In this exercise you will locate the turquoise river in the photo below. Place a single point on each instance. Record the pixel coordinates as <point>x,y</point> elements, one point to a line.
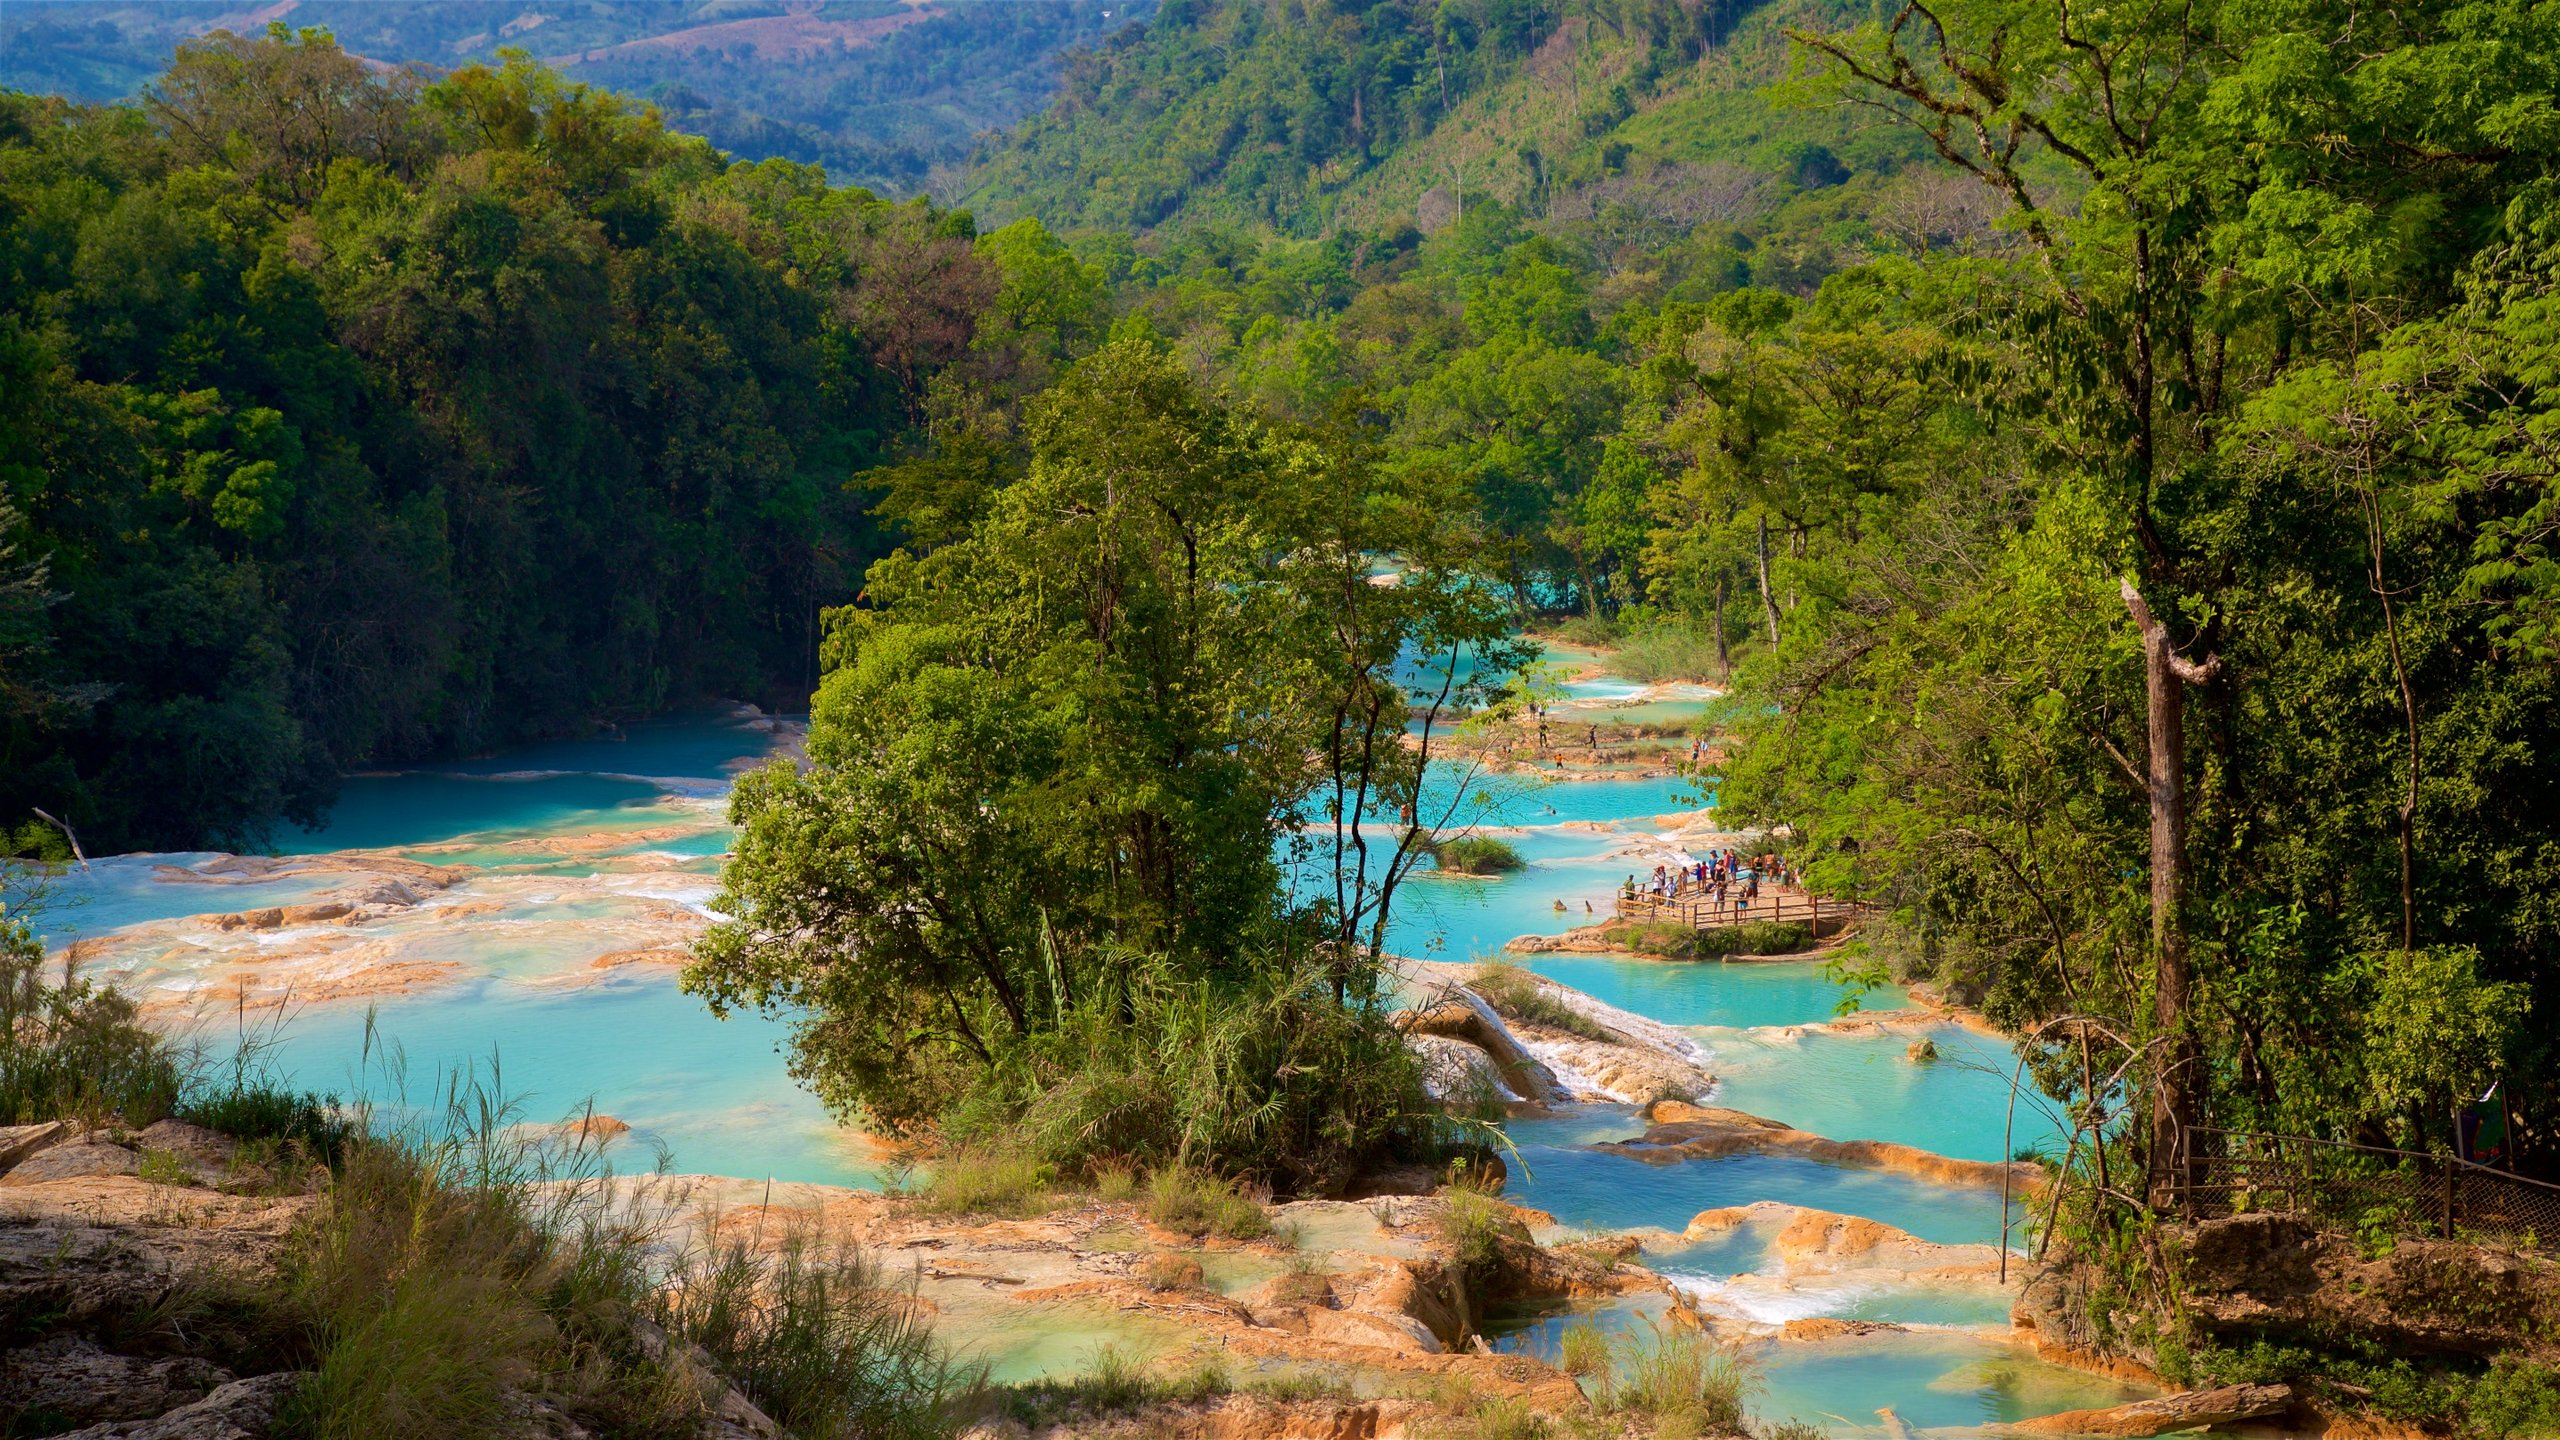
<point>531,911</point>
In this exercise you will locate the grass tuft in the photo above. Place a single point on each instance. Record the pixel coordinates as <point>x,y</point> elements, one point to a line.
<point>1474,1226</point>
<point>76,1051</point>
<point>1515,994</point>
<point>1679,1382</point>
<point>1197,1203</point>
<point>989,1180</point>
<point>1165,1270</point>
<point>1680,942</point>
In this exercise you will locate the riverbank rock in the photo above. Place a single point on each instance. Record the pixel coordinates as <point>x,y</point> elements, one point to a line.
<point>71,1379</point>
<point>1628,1074</point>
<point>241,1410</point>
<point>1711,1134</point>
<point>79,1159</point>
<point>2277,1277</point>
<point>1804,1241</point>
<point>1640,1060</point>
<point>1824,1328</point>
<point>17,1142</point>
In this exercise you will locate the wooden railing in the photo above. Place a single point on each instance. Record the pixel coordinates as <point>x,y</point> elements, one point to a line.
<point>1698,909</point>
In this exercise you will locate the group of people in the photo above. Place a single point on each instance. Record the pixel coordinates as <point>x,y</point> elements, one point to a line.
<point>1726,877</point>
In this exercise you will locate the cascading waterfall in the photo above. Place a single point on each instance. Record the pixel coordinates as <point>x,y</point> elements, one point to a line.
<point>528,912</point>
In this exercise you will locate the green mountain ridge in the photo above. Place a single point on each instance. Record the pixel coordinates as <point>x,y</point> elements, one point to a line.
<point>1300,120</point>
<point>884,93</point>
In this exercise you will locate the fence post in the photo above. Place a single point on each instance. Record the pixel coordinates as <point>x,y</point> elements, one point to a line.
<point>2449,1163</point>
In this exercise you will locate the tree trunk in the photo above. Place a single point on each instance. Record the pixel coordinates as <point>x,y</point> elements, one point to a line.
<point>2173,1110</point>
<point>1724,657</point>
<point>1768,598</point>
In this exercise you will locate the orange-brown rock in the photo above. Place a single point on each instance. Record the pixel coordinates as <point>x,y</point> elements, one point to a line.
<point>1714,1134</point>
<point>1823,1328</point>
<point>17,1142</point>
<point>667,955</point>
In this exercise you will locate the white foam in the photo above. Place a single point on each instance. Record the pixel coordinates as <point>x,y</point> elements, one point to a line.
<point>1761,1298</point>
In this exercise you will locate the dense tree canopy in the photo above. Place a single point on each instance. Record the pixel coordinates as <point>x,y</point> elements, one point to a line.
<point>2240,312</point>
<point>1076,740</point>
<point>347,418</point>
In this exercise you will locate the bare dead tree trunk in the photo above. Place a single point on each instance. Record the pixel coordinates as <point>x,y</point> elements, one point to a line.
<point>2166,675</point>
<point>1724,657</point>
<point>1768,597</point>
<point>2409,720</point>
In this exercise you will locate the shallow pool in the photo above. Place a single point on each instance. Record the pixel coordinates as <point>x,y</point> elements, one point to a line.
<point>1556,1169</point>
<point>1866,1087</point>
<point>579,849</point>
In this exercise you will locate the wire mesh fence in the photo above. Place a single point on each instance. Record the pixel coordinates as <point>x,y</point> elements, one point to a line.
<point>2364,1188</point>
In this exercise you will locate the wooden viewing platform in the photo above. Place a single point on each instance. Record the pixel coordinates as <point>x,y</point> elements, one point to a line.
<point>1698,910</point>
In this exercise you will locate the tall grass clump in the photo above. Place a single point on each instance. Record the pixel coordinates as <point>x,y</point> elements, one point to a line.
<point>1197,1203</point>
<point>811,1333</point>
<point>1476,855</point>
<point>1666,652</point>
<point>1515,994</point>
<point>1595,631</point>
<point>466,1265</point>
<point>1263,1078</point>
<point>1475,1227</point>
<point>991,1179</point>
<point>73,1050</point>
<point>1681,1383</point>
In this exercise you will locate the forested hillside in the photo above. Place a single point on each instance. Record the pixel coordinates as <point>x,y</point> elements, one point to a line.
<point>1881,388</point>
<point>883,93</point>
<point>1401,113</point>
<point>345,419</point>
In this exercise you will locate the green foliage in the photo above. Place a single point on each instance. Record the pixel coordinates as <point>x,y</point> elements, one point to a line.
<point>1474,1226</point>
<point>1299,1387</point>
<point>988,1180</point>
<point>1516,994</point>
<point>2510,1398</point>
<point>488,411</point>
<point>1196,1203</point>
<point>1684,942</point>
<point>1962,463</point>
<point>2434,1027</point>
<point>1664,652</point>
<point>1270,1081</point>
<point>460,1259</point>
<point>1030,884</point>
<point>1506,1418</point>
<point>1679,1381</point>
<point>1476,855</point>
<point>70,1050</point>
<point>260,1109</point>
<point>1582,1350</point>
<point>2516,1400</point>
<point>815,1335</point>
<point>1759,937</point>
<point>163,1167</point>
<point>880,95</point>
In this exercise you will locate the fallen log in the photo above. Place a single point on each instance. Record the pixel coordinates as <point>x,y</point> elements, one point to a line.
<point>2183,1411</point>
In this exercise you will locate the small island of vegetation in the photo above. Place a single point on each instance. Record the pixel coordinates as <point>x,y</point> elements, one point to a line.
<point>1476,855</point>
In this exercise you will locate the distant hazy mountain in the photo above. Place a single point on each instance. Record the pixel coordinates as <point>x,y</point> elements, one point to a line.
<point>882,92</point>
